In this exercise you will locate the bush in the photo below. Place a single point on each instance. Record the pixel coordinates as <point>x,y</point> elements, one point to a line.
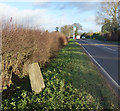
<point>118,35</point>
<point>22,46</point>
<point>98,36</point>
<point>113,36</point>
<point>89,35</point>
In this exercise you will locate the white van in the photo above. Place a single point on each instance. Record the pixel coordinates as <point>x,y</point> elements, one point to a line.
<point>78,37</point>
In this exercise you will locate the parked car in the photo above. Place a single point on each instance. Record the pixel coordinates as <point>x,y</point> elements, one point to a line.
<point>83,37</point>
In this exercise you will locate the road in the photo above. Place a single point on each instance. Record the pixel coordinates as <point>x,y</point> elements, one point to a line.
<point>105,55</point>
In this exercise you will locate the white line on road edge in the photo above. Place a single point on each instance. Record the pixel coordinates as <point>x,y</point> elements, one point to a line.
<point>110,49</point>
<point>113,81</point>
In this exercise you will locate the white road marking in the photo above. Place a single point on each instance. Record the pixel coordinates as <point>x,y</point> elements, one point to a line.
<point>99,45</point>
<point>110,49</point>
<point>113,81</point>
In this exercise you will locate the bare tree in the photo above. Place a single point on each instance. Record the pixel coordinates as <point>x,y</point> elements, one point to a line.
<point>108,11</point>
<point>119,14</point>
<point>66,30</point>
<point>78,26</point>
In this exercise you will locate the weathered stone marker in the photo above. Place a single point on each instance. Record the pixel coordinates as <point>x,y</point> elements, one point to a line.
<point>36,79</point>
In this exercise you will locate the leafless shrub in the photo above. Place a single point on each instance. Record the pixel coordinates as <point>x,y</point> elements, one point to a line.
<point>21,46</point>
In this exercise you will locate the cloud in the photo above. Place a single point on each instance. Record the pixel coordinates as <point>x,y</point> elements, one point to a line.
<point>55,0</point>
<point>32,17</point>
<point>84,6</point>
<point>45,17</point>
<point>91,28</point>
<point>80,6</point>
<point>90,19</point>
<point>52,5</point>
<point>42,4</point>
<point>24,16</point>
<point>90,24</point>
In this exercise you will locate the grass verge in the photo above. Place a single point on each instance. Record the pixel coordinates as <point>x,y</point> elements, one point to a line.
<point>72,82</point>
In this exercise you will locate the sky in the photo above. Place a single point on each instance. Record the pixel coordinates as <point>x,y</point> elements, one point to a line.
<point>49,15</point>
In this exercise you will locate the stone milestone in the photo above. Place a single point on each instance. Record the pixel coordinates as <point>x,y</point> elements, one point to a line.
<point>36,79</point>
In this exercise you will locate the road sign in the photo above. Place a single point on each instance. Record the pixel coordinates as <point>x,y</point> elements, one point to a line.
<point>74,28</point>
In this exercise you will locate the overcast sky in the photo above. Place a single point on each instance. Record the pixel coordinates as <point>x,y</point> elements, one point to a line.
<point>48,15</point>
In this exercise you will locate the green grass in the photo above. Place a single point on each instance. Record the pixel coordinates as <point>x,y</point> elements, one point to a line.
<point>72,82</point>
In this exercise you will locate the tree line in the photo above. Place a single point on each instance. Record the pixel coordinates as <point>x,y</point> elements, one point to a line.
<point>67,30</point>
<point>108,15</point>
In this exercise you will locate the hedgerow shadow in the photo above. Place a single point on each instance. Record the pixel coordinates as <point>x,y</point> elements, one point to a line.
<point>17,86</point>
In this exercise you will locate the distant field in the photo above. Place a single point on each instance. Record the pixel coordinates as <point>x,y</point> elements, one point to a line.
<point>72,82</point>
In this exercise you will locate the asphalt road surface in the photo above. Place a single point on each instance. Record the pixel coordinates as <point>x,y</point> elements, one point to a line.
<point>106,56</point>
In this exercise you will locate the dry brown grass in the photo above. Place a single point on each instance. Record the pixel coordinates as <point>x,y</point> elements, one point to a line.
<point>21,46</point>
